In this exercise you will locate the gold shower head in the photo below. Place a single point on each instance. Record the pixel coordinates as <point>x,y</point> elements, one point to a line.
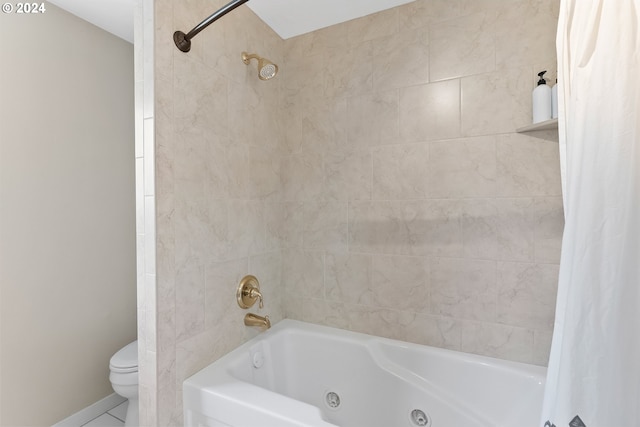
<point>266,69</point>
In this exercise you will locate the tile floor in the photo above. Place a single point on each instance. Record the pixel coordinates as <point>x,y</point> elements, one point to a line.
<point>112,418</point>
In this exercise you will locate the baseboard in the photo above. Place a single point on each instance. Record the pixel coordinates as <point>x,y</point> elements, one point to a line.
<point>92,411</point>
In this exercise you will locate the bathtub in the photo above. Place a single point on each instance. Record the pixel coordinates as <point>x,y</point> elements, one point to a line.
<point>304,375</point>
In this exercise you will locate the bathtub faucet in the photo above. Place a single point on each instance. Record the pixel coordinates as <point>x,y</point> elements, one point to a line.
<point>254,320</point>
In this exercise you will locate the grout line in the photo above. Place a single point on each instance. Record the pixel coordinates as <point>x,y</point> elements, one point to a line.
<point>115,416</point>
<point>92,411</point>
<point>106,413</point>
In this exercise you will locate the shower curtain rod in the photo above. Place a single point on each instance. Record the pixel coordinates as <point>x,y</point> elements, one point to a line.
<point>183,41</point>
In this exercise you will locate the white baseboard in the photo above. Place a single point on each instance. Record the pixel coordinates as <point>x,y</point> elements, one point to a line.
<point>92,411</point>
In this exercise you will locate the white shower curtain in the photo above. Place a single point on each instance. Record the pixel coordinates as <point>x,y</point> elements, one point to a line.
<point>594,367</point>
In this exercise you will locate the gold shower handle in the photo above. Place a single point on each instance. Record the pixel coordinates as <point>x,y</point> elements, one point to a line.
<point>248,292</point>
<point>253,294</point>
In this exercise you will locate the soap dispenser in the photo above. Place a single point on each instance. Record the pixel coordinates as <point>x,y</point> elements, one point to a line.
<point>541,100</point>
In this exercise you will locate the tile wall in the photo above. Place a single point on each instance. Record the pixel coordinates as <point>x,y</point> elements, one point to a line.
<point>415,210</point>
<point>377,184</point>
<point>217,150</point>
<point>145,209</point>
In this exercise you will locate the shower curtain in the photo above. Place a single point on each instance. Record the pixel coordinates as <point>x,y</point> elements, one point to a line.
<point>594,368</point>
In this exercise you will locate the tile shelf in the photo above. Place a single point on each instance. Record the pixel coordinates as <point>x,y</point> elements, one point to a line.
<point>546,125</point>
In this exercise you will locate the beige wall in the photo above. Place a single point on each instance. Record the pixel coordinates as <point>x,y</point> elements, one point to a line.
<point>422,215</point>
<point>377,184</point>
<point>213,199</point>
<point>67,246</point>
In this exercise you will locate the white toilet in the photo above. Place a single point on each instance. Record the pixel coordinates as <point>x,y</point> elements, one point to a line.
<point>124,379</point>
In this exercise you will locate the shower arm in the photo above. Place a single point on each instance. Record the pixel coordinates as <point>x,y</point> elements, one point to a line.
<point>183,41</point>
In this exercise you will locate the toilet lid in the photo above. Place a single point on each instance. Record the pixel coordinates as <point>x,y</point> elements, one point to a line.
<point>126,359</point>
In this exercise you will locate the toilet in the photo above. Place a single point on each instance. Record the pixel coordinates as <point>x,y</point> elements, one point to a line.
<point>124,379</point>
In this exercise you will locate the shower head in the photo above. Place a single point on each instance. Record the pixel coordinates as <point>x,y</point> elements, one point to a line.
<point>266,69</point>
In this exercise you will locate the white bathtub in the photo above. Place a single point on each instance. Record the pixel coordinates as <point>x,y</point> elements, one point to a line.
<point>295,373</point>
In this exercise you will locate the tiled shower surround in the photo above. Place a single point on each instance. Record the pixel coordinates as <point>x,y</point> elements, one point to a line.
<point>376,184</point>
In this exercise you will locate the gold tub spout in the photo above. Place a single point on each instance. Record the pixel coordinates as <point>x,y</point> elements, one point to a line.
<point>254,320</point>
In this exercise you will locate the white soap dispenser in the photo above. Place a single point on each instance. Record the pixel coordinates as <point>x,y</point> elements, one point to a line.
<point>554,101</point>
<point>541,100</point>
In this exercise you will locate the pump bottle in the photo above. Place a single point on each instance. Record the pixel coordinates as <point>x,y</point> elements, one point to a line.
<point>541,100</point>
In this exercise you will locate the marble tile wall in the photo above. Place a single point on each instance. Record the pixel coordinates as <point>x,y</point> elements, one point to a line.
<point>216,155</point>
<point>414,209</point>
<point>377,184</point>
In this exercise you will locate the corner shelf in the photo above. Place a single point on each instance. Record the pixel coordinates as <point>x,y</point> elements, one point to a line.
<point>546,125</point>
